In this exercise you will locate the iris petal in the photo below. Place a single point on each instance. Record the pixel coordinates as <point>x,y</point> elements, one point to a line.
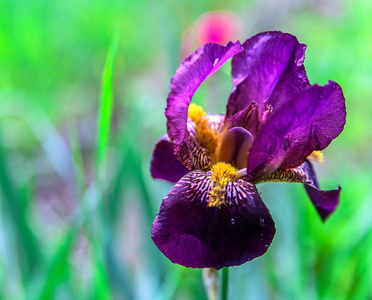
<point>325,202</point>
<point>309,122</point>
<point>191,73</point>
<point>191,233</point>
<point>164,165</point>
<point>270,147</point>
<point>270,68</point>
<point>192,153</point>
<point>320,118</point>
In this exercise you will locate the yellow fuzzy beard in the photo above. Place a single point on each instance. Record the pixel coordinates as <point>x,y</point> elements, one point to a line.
<point>208,138</point>
<point>222,174</point>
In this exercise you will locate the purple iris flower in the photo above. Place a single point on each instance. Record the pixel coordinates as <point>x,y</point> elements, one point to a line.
<point>275,122</point>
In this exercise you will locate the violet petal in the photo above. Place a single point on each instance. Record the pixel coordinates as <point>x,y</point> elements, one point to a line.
<point>320,118</point>
<point>192,234</point>
<point>270,147</point>
<point>307,123</point>
<point>325,202</point>
<point>270,68</point>
<point>164,164</point>
<point>188,77</point>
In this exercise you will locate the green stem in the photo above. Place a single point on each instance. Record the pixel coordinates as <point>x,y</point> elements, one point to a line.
<point>225,284</point>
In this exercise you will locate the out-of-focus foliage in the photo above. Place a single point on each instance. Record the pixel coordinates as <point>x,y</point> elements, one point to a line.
<point>66,233</point>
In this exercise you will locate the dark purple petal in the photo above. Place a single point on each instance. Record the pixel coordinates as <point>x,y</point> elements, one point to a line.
<point>271,145</point>
<point>191,233</point>
<point>320,118</point>
<point>191,73</point>
<point>325,202</point>
<point>164,165</point>
<point>307,123</point>
<point>270,68</point>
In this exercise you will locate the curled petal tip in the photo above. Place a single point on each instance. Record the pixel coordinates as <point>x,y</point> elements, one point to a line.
<point>325,202</point>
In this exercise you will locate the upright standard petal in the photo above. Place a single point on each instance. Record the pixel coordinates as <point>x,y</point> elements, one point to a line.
<point>191,73</point>
<point>164,165</point>
<point>325,202</point>
<point>270,68</point>
<point>194,234</point>
<point>320,118</point>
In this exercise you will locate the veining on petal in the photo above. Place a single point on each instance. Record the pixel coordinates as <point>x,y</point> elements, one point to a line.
<point>221,175</point>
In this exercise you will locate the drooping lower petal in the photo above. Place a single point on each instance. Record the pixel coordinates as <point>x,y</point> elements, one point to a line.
<point>325,202</point>
<point>270,68</point>
<point>193,233</point>
<point>164,164</point>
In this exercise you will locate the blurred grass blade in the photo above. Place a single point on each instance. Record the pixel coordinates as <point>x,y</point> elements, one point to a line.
<point>102,289</point>
<point>344,267</point>
<point>77,159</point>
<point>30,253</point>
<point>171,283</point>
<point>137,173</point>
<point>101,285</point>
<point>59,268</point>
<point>119,279</point>
<point>58,271</point>
<point>114,196</point>
<point>105,106</point>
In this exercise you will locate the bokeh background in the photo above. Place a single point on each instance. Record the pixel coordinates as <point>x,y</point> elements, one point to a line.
<point>83,87</point>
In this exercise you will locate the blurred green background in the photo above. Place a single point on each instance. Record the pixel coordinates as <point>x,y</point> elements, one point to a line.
<point>83,87</point>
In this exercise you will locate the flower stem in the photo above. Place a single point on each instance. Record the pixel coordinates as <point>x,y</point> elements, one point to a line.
<point>224,284</point>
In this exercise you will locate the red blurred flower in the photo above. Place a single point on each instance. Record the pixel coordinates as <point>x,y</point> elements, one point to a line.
<point>219,27</point>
